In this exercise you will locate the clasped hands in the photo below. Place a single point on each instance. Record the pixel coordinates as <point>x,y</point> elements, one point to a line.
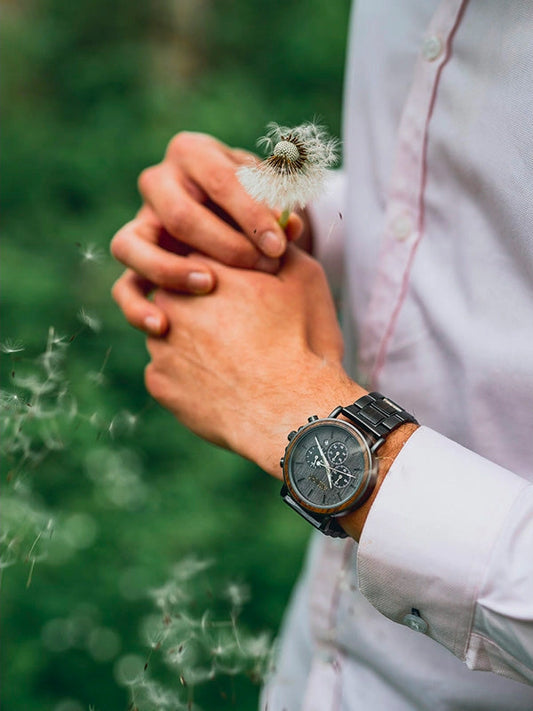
<point>242,331</point>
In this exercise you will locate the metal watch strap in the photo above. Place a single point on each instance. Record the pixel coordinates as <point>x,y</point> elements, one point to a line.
<point>376,415</point>
<point>327,524</point>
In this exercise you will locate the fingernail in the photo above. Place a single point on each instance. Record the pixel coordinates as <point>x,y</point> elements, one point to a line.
<point>200,282</point>
<point>272,244</point>
<point>153,324</point>
<point>267,264</point>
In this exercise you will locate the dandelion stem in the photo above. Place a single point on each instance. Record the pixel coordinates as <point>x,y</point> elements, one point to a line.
<point>284,218</point>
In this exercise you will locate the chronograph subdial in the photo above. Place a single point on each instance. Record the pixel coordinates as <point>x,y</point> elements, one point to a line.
<point>341,476</point>
<point>337,453</point>
<point>313,458</point>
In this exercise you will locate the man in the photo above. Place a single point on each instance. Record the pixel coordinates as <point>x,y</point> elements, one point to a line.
<point>433,256</point>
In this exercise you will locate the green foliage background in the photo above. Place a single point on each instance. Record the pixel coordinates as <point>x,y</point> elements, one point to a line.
<point>91,93</point>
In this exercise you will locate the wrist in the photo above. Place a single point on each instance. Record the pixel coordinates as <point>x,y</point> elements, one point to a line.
<point>321,386</point>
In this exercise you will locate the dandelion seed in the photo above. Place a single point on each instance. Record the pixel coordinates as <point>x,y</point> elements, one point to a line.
<point>295,170</point>
<point>237,594</point>
<point>89,320</point>
<point>259,647</point>
<point>190,566</point>
<point>91,253</point>
<point>9,346</point>
<point>97,378</point>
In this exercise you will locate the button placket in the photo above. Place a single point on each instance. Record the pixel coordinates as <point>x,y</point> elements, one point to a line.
<point>405,207</point>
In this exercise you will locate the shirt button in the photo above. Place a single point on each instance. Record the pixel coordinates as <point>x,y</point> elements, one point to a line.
<point>431,47</point>
<point>415,622</point>
<point>402,227</point>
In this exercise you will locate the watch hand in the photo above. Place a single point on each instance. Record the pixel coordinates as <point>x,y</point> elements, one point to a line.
<point>338,471</point>
<point>328,468</point>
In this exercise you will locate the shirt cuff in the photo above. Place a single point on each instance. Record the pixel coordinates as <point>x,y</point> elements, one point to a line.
<point>428,538</point>
<point>326,215</point>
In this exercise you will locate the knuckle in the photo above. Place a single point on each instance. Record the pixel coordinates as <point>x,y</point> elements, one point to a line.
<point>178,220</point>
<point>163,273</point>
<point>118,244</point>
<point>182,142</point>
<point>156,383</point>
<point>240,253</point>
<point>116,290</point>
<point>146,179</point>
<point>220,184</point>
<point>313,268</point>
<point>130,308</point>
<point>153,380</point>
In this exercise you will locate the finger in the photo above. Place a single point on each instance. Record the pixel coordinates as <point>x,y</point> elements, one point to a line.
<point>239,156</point>
<point>198,226</point>
<point>160,266</point>
<point>198,152</point>
<point>130,292</point>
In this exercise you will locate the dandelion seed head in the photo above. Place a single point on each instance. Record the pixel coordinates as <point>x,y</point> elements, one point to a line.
<point>288,151</point>
<point>294,172</point>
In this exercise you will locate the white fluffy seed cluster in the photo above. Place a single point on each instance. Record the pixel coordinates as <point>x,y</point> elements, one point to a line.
<point>294,172</point>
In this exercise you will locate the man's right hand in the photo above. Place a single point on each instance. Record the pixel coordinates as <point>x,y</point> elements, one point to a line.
<point>193,201</point>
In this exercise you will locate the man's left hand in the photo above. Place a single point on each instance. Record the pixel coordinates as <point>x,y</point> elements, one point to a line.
<point>244,365</point>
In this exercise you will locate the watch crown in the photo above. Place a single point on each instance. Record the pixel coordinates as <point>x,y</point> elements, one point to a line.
<point>313,418</point>
<point>291,435</point>
<point>282,462</point>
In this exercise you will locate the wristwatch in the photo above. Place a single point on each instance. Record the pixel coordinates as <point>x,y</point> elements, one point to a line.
<point>330,464</point>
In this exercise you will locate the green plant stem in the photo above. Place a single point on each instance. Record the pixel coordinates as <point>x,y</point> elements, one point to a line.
<point>284,218</point>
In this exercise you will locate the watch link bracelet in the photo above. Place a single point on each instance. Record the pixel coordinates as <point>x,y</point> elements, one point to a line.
<point>330,467</point>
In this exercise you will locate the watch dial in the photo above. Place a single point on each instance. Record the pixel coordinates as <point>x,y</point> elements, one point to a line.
<point>326,464</point>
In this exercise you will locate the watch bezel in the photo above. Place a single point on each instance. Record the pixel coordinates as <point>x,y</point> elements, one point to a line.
<point>365,486</point>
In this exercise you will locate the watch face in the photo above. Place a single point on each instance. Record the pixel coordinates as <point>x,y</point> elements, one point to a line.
<point>328,466</point>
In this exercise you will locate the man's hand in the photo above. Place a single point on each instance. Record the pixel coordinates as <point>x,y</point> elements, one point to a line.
<point>244,365</point>
<point>193,201</point>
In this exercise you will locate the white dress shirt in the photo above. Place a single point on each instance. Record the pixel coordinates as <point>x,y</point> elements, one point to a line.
<point>427,236</point>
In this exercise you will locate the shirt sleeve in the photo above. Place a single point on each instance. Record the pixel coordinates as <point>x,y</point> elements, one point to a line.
<point>448,543</point>
<point>327,223</point>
